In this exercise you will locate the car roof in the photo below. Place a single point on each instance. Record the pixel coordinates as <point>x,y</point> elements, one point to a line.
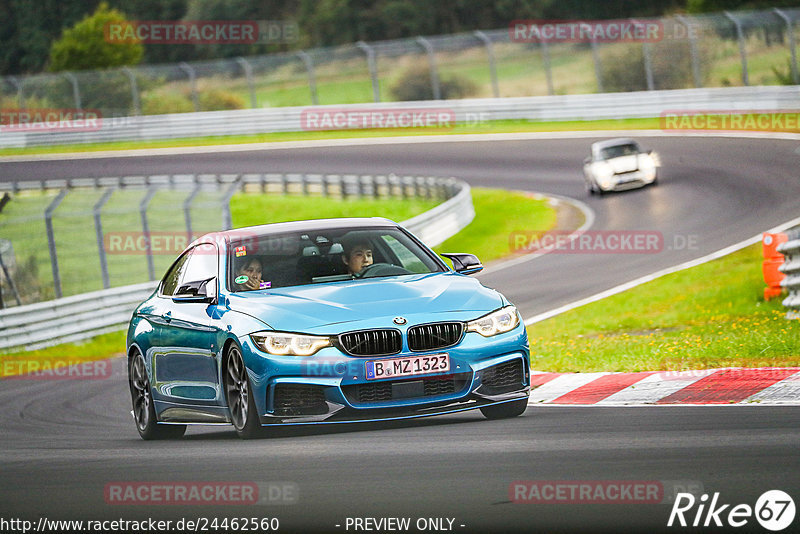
<point>297,226</point>
<point>613,142</point>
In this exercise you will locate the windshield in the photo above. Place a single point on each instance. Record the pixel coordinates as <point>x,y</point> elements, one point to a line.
<point>309,257</point>
<point>619,151</point>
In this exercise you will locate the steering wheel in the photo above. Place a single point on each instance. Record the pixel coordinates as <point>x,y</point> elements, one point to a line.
<point>380,269</point>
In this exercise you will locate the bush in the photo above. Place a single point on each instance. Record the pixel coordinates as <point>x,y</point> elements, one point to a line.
<point>217,99</point>
<point>162,103</point>
<point>623,69</point>
<point>415,84</point>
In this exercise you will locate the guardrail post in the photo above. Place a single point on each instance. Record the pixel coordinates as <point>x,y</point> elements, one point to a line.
<point>790,33</point>
<point>137,105</point>
<point>185,67</point>
<point>227,223</point>
<point>76,93</point>
<point>151,191</point>
<point>742,50</point>
<point>373,69</point>
<point>492,67</point>
<point>686,21</point>
<point>248,72</point>
<point>324,181</point>
<point>598,70</point>
<point>435,85</point>
<point>98,229</point>
<point>187,210</point>
<point>548,71</point>
<point>312,79</point>
<point>51,240</point>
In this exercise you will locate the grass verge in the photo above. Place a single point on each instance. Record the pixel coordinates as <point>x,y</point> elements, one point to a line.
<point>709,316</point>
<point>506,126</point>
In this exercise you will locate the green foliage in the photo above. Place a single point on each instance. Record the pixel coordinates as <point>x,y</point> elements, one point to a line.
<point>623,68</point>
<point>84,46</point>
<point>165,102</point>
<point>415,84</point>
<point>218,99</point>
<point>784,77</point>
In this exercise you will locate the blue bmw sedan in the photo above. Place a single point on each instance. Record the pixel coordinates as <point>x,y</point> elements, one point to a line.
<point>325,321</point>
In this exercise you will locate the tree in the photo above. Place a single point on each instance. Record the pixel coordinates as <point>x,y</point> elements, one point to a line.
<point>84,46</point>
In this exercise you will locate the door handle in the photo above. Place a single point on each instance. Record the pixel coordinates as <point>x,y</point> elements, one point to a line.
<point>168,316</point>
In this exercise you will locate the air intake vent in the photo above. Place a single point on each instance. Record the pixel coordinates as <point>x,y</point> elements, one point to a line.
<point>299,399</point>
<point>371,342</point>
<point>434,336</point>
<point>503,378</point>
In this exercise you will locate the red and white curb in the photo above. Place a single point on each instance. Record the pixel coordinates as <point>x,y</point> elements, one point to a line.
<point>770,386</point>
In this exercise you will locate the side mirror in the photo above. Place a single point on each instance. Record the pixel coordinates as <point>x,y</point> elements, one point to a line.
<point>198,291</point>
<point>465,263</point>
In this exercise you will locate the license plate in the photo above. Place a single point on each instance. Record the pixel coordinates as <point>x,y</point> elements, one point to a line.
<point>413,365</point>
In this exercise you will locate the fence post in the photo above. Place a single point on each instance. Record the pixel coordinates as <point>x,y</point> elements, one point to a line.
<point>227,222</point>
<point>76,93</point>
<point>647,52</point>
<point>492,67</point>
<point>373,69</point>
<point>185,67</point>
<point>11,283</point>
<point>98,229</point>
<point>698,82</point>
<point>248,72</point>
<point>742,51</point>
<point>151,191</point>
<point>312,79</point>
<point>428,47</point>
<point>51,240</point>
<point>790,33</point>
<point>137,106</point>
<point>18,87</point>
<point>598,70</point>
<point>187,210</point>
<point>548,72</point>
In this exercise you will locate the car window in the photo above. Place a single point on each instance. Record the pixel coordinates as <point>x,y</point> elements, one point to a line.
<point>169,284</point>
<point>619,151</point>
<point>202,264</point>
<point>408,260</point>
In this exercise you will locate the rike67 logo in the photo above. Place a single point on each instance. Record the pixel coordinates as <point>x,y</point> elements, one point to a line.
<point>774,510</point>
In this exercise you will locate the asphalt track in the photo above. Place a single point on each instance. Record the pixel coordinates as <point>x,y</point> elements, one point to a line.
<point>62,442</point>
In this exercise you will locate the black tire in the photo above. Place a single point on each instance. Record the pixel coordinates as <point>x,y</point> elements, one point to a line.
<point>590,188</point>
<point>239,396</point>
<point>144,413</point>
<point>505,410</point>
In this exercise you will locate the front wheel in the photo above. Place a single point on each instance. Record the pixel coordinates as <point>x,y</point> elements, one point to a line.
<point>505,410</point>
<point>239,395</point>
<point>144,412</point>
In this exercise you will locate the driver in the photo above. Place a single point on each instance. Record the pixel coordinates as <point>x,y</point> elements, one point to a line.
<point>357,255</point>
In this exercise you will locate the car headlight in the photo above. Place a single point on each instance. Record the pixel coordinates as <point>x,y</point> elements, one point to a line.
<point>494,323</point>
<point>647,164</point>
<point>603,171</point>
<point>284,344</point>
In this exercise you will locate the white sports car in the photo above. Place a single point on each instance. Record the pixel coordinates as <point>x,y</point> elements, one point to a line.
<point>619,164</point>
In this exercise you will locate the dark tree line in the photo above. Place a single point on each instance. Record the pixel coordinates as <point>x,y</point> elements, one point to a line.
<point>28,28</point>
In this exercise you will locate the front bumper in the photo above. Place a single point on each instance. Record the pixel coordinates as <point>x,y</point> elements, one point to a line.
<point>332,387</point>
<point>627,180</point>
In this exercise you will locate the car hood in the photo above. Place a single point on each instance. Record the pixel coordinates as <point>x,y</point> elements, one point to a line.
<point>313,308</point>
<point>624,163</point>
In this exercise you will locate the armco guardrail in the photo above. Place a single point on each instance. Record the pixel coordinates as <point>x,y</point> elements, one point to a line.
<point>540,108</point>
<point>791,268</point>
<point>89,314</point>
